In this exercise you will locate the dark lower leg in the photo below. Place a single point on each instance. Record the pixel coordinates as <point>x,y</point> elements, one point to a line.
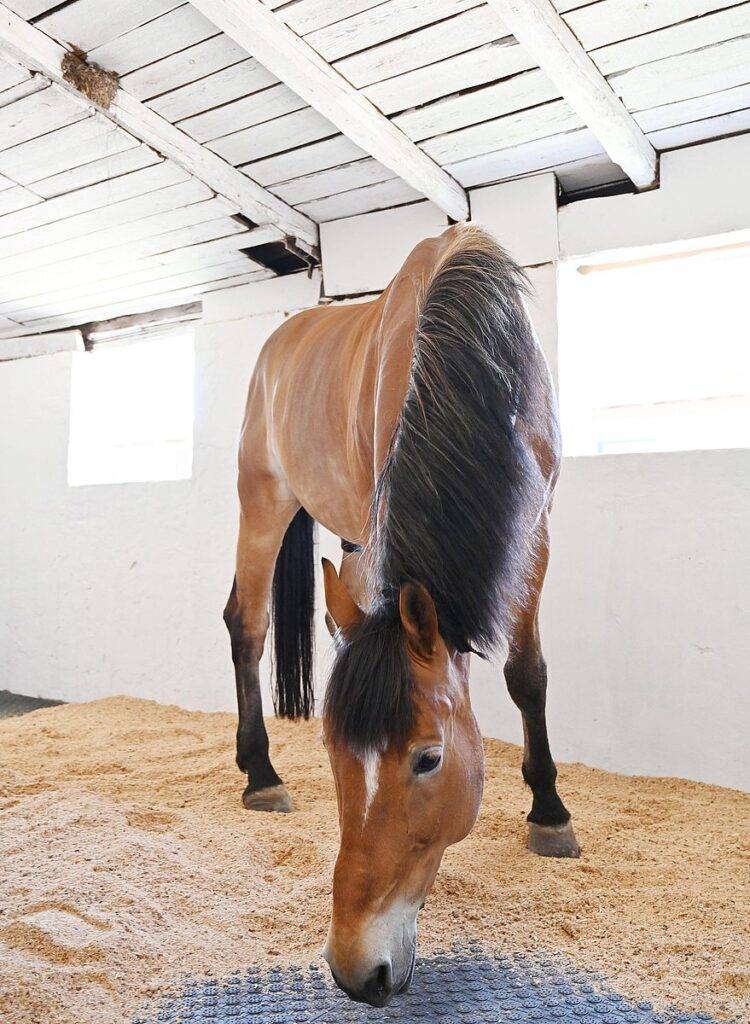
<point>252,738</point>
<point>527,685</point>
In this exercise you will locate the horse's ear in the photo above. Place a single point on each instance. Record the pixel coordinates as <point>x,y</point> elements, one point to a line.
<point>419,618</point>
<point>343,610</point>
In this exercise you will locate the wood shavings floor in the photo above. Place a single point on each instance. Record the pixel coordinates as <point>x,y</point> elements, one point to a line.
<point>129,863</point>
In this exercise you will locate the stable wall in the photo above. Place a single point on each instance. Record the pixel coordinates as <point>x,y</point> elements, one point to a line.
<point>114,589</point>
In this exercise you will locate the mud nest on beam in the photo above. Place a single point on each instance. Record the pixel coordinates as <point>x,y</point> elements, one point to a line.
<point>93,82</point>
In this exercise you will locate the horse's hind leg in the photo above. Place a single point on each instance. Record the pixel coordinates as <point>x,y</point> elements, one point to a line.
<point>264,518</point>
<point>550,830</point>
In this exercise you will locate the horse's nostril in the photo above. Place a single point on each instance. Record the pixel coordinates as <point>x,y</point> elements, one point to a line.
<point>379,987</point>
<point>384,977</point>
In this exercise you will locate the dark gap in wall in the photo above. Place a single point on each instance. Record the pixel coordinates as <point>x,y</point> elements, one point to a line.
<point>277,257</point>
<point>610,188</point>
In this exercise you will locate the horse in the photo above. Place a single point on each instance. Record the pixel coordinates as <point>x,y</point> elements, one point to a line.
<point>421,429</point>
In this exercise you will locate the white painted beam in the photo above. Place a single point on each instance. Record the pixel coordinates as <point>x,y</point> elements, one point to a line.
<point>40,345</point>
<point>33,49</point>
<point>291,59</point>
<point>546,37</point>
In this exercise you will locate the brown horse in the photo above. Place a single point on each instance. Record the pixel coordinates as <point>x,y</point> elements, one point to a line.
<point>421,428</point>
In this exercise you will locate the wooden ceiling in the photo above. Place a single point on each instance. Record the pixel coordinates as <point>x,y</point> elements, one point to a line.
<point>206,160</point>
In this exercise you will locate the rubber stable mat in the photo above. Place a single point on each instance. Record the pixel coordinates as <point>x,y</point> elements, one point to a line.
<point>14,704</point>
<point>468,986</point>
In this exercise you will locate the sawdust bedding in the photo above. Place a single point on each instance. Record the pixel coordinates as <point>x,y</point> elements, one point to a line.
<point>128,862</point>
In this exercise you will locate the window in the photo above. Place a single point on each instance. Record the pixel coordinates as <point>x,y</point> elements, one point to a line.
<point>131,411</point>
<point>654,350</point>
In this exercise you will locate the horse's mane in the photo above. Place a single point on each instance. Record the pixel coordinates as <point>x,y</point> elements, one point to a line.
<point>459,490</point>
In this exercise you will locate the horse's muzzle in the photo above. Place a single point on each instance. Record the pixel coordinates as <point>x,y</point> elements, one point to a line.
<point>379,988</point>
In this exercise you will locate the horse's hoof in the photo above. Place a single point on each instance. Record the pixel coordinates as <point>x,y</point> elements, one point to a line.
<point>272,798</point>
<point>553,840</point>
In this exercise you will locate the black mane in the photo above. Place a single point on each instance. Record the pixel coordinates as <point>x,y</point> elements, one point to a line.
<point>368,697</point>
<point>457,497</point>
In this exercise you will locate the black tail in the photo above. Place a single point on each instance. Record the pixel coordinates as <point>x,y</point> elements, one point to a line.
<point>293,601</point>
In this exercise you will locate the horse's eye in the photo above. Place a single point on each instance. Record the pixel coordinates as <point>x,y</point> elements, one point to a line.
<point>427,761</point>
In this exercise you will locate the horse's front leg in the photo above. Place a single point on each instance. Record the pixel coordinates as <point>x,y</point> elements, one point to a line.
<point>263,521</point>
<point>550,829</point>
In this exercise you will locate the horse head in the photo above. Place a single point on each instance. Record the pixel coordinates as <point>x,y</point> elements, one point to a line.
<point>407,760</point>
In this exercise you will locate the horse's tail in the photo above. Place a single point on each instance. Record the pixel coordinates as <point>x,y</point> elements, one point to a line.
<point>293,602</point>
<point>460,490</point>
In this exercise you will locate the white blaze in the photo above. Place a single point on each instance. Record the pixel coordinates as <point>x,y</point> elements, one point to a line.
<point>371,767</point>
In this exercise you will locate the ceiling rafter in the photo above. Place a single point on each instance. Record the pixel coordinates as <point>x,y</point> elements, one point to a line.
<point>546,37</point>
<point>292,60</point>
<point>35,50</point>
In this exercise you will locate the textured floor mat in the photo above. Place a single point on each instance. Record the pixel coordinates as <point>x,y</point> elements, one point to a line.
<point>469,986</point>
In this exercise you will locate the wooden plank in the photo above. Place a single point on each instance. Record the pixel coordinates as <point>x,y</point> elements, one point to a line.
<point>283,133</point>
<point>180,69</point>
<point>90,23</point>
<point>606,22</point>
<point>119,274</point>
<point>42,112</point>
<point>91,173</point>
<point>182,27</point>
<point>225,86</point>
<point>122,252</point>
<point>528,89</point>
<point>701,131</point>
<point>381,23</point>
<point>503,132</point>
<point>432,45</point>
<point>297,64</point>
<point>306,16</point>
<point>544,34</point>
<point>674,40</point>
<point>381,196</point>
<point>97,197</point>
<point>34,83</point>
<point>36,50</point>
<point>8,328</point>
<point>30,8</point>
<point>526,158</point>
<point>150,230</point>
<point>145,303</point>
<point>78,143</point>
<point>11,74</point>
<point>697,108</point>
<point>294,163</point>
<point>40,345</point>
<point>429,45</point>
<point>260,107</point>
<point>158,279</point>
<point>698,73</point>
<point>331,182</point>
<point>74,228</point>
<point>16,198</point>
<point>463,71</point>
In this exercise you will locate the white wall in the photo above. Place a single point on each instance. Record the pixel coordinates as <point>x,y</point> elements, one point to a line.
<point>120,588</point>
